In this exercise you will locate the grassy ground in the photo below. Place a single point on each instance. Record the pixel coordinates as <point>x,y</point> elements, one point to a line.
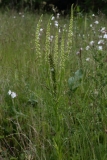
<point>56,72</point>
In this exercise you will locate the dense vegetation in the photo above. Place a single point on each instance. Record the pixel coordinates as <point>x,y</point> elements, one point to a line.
<point>83,5</point>
<point>53,86</point>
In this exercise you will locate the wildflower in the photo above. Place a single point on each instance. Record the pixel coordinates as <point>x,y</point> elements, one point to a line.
<point>93,15</point>
<point>105,36</point>
<point>23,16</point>
<point>9,92</point>
<point>52,18</point>
<point>91,43</point>
<point>58,15</point>
<point>56,23</point>
<point>91,25</point>
<point>87,59</point>
<point>20,13</point>
<point>41,29</point>
<point>77,53</point>
<point>100,36</point>
<point>96,22</point>
<point>102,30</point>
<point>81,49</point>
<point>100,47</point>
<point>101,41</point>
<point>88,47</point>
<point>51,38</point>
<point>13,94</point>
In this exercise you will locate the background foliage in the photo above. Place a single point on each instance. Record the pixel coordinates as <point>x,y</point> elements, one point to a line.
<point>84,5</point>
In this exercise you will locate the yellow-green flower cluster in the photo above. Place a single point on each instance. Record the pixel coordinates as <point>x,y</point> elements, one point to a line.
<point>70,33</point>
<point>56,50</point>
<point>62,57</point>
<point>37,40</point>
<point>47,43</point>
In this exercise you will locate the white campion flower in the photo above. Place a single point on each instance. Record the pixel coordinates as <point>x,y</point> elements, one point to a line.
<point>92,43</point>
<point>41,29</point>
<point>88,47</point>
<point>100,48</point>
<point>105,36</point>
<point>58,15</point>
<point>87,59</point>
<point>56,23</point>
<point>9,92</point>
<point>12,94</point>
<point>100,36</point>
<point>101,41</point>
<point>102,30</point>
<point>52,18</point>
<point>91,25</point>
<point>93,15</point>
<point>96,22</point>
<point>51,38</point>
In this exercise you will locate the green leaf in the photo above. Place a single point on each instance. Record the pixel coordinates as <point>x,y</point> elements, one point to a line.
<point>75,81</point>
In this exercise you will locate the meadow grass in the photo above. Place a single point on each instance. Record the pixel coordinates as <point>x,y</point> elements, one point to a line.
<point>57,68</point>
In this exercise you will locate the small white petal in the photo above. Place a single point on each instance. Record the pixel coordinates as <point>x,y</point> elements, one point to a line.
<point>13,94</point>
<point>52,18</point>
<point>100,48</point>
<point>101,41</point>
<point>93,15</point>
<point>9,92</point>
<point>41,29</point>
<point>96,22</point>
<point>91,43</point>
<point>105,36</point>
<point>87,59</point>
<point>88,47</point>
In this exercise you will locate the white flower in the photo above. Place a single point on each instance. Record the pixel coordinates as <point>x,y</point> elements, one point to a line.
<point>58,15</point>
<point>23,16</point>
<point>52,18</point>
<point>93,15</point>
<point>91,25</point>
<point>56,23</point>
<point>101,41</point>
<point>88,47</point>
<point>59,30</point>
<point>105,36</point>
<point>100,36</point>
<point>77,53</point>
<point>87,59</point>
<point>91,43</point>
<point>20,13</point>
<point>96,22</point>
<point>41,29</point>
<point>9,92</point>
<point>51,38</point>
<point>100,48</point>
<point>13,94</point>
<point>102,30</point>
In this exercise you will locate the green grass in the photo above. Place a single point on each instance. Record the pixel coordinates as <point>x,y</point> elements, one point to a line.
<point>51,119</point>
